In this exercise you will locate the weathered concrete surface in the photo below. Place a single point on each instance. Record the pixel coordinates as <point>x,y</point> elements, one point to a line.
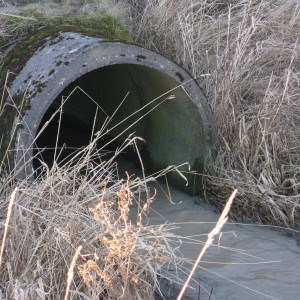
<point>97,75</point>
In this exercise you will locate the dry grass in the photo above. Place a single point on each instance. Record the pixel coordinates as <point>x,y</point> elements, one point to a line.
<point>79,230</point>
<point>74,224</point>
<point>72,234</point>
<point>251,51</point>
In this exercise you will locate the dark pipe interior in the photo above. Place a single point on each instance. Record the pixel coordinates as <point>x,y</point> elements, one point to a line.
<point>171,135</point>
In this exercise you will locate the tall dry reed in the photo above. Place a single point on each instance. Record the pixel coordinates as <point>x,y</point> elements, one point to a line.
<point>78,232</point>
<point>250,50</point>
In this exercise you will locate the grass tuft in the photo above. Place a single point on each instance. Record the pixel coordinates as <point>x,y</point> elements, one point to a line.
<point>250,50</point>
<point>89,211</point>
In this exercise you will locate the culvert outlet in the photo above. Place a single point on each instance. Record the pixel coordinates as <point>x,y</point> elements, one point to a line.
<point>93,76</point>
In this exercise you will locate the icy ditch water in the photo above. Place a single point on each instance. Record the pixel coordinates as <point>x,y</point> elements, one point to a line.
<point>246,261</point>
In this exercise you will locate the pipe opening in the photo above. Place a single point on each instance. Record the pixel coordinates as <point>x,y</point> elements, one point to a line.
<point>171,126</point>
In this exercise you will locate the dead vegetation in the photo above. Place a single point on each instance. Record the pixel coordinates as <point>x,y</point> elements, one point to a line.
<point>250,53</point>
<point>87,214</point>
<point>79,229</point>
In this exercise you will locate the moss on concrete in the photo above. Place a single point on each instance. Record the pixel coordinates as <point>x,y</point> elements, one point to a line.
<point>33,36</point>
<point>99,24</point>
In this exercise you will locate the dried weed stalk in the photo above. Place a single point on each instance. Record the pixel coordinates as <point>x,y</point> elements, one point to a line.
<point>67,209</point>
<point>250,49</point>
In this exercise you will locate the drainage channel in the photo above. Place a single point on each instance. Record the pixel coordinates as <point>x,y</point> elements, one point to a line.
<point>89,82</point>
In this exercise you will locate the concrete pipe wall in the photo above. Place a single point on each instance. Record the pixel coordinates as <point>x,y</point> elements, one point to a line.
<point>95,75</point>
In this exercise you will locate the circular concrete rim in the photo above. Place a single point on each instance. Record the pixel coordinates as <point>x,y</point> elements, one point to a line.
<point>92,56</point>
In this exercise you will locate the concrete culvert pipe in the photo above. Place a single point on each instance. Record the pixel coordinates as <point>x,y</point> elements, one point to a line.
<point>93,76</point>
